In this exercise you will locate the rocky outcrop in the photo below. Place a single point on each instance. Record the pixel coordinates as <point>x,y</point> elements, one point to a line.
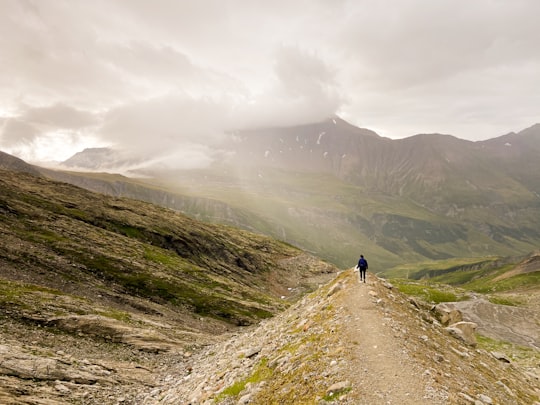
<point>446,315</point>
<point>502,322</point>
<point>33,375</point>
<point>18,363</point>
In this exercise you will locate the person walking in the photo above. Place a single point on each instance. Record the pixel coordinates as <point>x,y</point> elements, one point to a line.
<point>362,267</point>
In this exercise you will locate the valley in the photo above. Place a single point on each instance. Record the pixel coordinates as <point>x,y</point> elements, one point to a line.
<point>338,190</point>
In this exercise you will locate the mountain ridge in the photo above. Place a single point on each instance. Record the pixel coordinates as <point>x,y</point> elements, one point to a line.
<point>424,197</point>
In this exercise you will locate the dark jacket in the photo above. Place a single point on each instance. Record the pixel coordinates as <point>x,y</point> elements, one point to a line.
<point>362,264</point>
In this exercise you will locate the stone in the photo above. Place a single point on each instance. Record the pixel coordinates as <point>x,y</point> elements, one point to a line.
<point>338,387</point>
<point>447,316</point>
<point>23,365</point>
<point>463,331</point>
<point>245,399</point>
<point>252,351</point>
<point>501,357</point>
<point>485,399</point>
<point>467,398</point>
<point>335,288</point>
<point>505,387</point>
<point>62,389</point>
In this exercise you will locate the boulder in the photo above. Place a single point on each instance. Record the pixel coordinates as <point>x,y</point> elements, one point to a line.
<point>335,288</point>
<point>338,387</point>
<point>447,316</point>
<point>463,331</point>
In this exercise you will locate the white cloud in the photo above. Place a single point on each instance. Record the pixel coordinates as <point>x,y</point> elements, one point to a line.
<point>154,75</point>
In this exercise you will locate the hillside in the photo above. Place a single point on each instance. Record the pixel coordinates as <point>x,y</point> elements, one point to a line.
<point>9,162</point>
<point>97,292</point>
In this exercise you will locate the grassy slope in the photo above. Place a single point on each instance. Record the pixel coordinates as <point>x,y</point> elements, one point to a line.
<point>455,279</point>
<point>66,239</point>
<point>339,220</point>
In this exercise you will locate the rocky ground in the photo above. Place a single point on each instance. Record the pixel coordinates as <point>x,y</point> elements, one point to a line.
<point>346,343</point>
<point>43,366</point>
<point>350,343</point>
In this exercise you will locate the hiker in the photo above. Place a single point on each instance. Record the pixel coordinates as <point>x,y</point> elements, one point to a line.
<point>362,267</point>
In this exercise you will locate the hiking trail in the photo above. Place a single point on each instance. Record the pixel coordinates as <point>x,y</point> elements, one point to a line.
<point>383,371</point>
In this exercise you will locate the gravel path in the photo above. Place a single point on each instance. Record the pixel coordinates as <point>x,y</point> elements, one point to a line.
<point>383,372</point>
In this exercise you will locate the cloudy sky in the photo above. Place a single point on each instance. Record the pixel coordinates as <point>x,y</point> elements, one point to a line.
<point>167,77</point>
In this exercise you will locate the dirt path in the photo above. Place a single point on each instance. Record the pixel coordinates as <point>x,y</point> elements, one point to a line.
<point>383,372</point>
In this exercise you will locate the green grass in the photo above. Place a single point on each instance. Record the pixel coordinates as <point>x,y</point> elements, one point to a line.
<point>332,396</point>
<point>434,293</point>
<point>260,373</point>
<point>15,293</point>
<point>513,302</point>
<point>161,256</point>
<point>449,270</point>
<point>115,314</point>
<point>130,231</point>
<point>460,275</point>
<point>487,284</point>
<point>515,352</point>
<point>45,236</point>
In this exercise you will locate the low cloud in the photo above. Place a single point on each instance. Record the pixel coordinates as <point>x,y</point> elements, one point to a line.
<point>304,90</point>
<point>16,131</point>
<point>159,124</point>
<point>59,116</point>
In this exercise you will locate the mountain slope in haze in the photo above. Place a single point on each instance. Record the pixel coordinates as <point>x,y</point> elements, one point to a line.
<point>431,169</point>
<point>97,293</point>
<point>70,228</point>
<point>9,162</point>
<point>339,190</point>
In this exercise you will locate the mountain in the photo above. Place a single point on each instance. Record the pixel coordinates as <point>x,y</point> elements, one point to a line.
<point>333,146</point>
<point>339,191</point>
<point>103,159</point>
<point>416,167</point>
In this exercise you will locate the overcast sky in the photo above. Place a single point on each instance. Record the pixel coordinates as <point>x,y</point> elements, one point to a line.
<point>168,76</point>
